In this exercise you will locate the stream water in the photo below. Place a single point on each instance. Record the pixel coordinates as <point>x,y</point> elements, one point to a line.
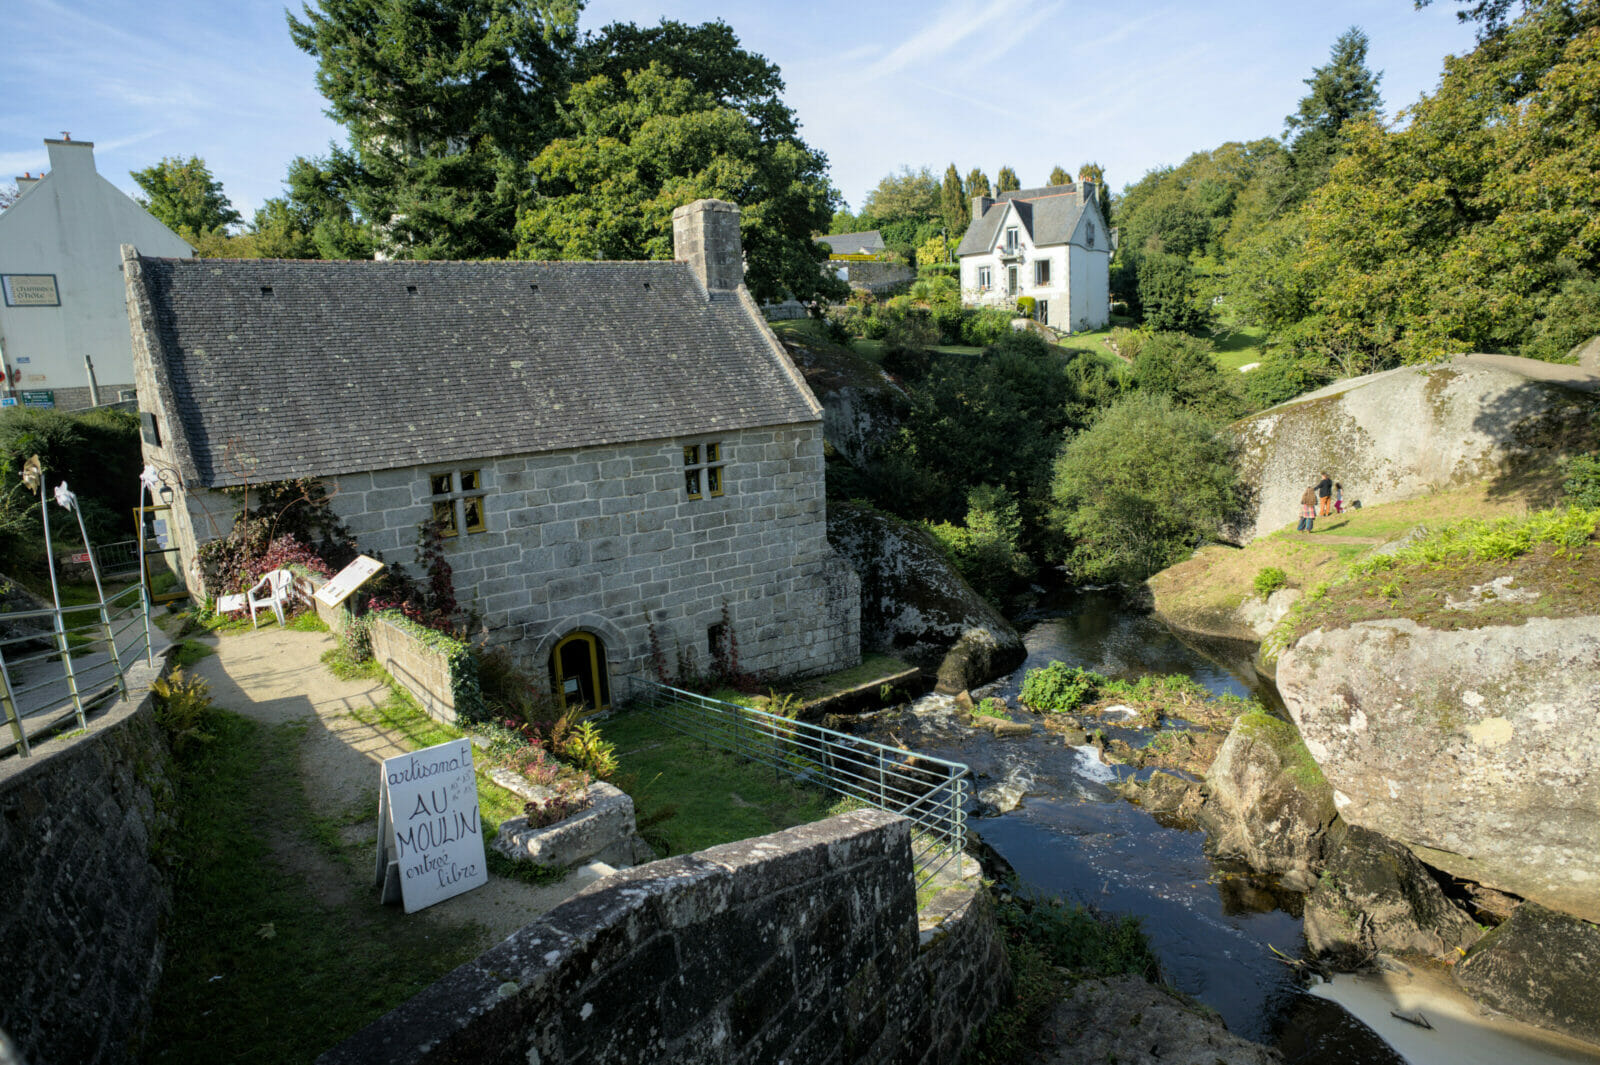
<point>1214,928</point>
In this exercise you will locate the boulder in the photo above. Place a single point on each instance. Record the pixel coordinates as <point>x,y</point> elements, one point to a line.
<point>1266,802</point>
<point>969,663</point>
<point>1407,432</point>
<point>914,605</point>
<point>605,831</point>
<point>1479,748</point>
<point>861,407</point>
<point>1375,896</point>
<point>1164,795</point>
<point>1587,355</point>
<point>1538,967</point>
<point>1131,1022</point>
<point>1260,616</point>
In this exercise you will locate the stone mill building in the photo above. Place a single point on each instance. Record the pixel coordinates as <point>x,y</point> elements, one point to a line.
<point>613,448</point>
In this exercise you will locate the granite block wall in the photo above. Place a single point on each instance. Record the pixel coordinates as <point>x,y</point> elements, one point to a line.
<point>85,893</point>
<point>416,667</point>
<point>799,946</point>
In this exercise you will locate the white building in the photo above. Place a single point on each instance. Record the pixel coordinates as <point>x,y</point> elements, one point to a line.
<point>1051,244</point>
<point>64,300</point>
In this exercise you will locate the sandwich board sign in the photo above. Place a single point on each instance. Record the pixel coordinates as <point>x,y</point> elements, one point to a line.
<point>347,580</point>
<point>430,843</point>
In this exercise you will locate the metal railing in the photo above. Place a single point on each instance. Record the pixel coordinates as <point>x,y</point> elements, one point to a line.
<point>118,558</point>
<point>930,791</point>
<point>50,675</point>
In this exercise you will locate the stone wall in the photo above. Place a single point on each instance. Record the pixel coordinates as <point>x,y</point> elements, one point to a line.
<point>85,891</point>
<point>871,275</point>
<point>422,670</point>
<point>606,541</point>
<point>800,946</point>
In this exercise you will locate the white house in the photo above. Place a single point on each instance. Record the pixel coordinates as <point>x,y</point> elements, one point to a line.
<point>65,304</point>
<point>1051,244</point>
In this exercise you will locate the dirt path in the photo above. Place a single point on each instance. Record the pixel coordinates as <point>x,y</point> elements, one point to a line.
<point>276,676</point>
<point>1330,538</point>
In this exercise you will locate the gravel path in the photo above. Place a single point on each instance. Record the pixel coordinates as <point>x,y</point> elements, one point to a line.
<point>276,676</point>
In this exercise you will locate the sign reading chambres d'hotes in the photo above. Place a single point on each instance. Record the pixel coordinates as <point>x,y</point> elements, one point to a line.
<point>429,836</point>
<point>30,290</point>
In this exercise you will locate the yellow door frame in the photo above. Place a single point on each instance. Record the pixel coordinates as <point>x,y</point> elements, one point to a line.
<point>596,664</point>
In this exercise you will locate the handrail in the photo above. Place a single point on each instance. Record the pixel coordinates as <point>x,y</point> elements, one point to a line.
<point>928,790</point>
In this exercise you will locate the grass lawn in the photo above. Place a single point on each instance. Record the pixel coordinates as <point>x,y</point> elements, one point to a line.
<point>259,968</point>
<point>689,796</point>
<point>1238,346</point>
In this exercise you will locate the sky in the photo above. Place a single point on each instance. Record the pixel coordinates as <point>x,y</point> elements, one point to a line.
<point>877,84</point>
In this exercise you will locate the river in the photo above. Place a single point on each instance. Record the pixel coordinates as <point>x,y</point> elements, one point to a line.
<point>1213,927</point>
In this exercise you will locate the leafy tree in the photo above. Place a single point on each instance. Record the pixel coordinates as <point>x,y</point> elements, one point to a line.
<point>954,205</point>
<point>844,222</point>
<point>1140,488</point>
<point>635,150</point>
<point>985,548</point>
<point>910,195</point>
<point>183,194</point>
<point>1167,293</point>
<point>1007,181</point>
<point>1058,176</point>
<point>978,184</point>
<point>444,101</point>
<point>1184,369</point>
<point>1343,92</point>
<point>1476,226</point>
<point>936,249</point>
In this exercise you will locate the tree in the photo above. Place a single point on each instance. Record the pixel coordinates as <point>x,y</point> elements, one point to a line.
<point>8,195</point>
<point>1167,293</point>
<point>978,184</point>
<point>183,195</point>
<point>1007,181</point>
<point>635,150</point>
<point>314,219</point>
<point>1183,368</point>
<point>1344,91</point>
<point>1058,176</point>
<point>444,101</point>
<point>909,195</point>
<point>954,205</point>
<point>1139,489</point>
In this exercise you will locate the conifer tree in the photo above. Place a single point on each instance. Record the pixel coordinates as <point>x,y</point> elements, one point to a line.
<point>1007,181</point>
<point>953,203</point>
<point>1059,176</point>
<point>978,184</point>
<point>1342,92</point>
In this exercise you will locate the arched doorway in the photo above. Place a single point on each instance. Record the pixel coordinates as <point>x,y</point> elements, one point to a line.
<point>578,671</point>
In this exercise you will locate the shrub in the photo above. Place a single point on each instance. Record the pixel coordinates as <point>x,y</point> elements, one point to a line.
<point>986,550</point>
<point>1269,579</point>
<point>991,707</point>
<point>585,749</point>
<point>1059,688</point>
<point>182,708</point>
<point>1026,306</point>
<point>985,326</point>
<point>1582,486</point>
<point>1184,368</point>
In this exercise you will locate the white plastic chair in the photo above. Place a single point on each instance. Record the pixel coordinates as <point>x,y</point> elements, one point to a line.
<point>272,590</point>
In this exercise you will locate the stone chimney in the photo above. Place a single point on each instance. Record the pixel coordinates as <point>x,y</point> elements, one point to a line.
<point>705,234</point>
<point>27,181</point>
<point>980,204</point>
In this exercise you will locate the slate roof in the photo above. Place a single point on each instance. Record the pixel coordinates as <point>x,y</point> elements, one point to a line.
<point>322,368</point>
<point>1049,216</point>
<point>869,242</point>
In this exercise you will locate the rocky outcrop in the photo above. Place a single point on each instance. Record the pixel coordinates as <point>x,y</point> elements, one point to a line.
<point>1131,1022</point>
<point>914,604</point>
<point>861,407</point>
<point>1375,896</point>
<point>1267,804</point>
<point>1407,432</point>
<point>1539,967</point>
<point>1478,748</point>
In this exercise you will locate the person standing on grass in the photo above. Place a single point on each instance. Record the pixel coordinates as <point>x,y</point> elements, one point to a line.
<point>1325,494</point>
<point>1338,498</point>
<point>1308,510</point>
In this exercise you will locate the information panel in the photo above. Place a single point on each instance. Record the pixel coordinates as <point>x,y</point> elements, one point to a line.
<point>30,290</point>
<point>429,837</point>
<point>347,580</point>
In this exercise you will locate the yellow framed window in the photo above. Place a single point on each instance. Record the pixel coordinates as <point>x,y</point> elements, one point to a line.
<point>457,498</point>
<point>702,470</point>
